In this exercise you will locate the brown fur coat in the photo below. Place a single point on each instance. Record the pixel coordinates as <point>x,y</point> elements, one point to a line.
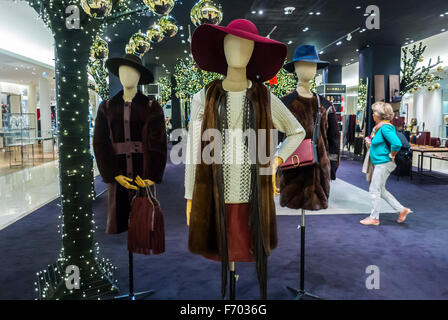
<point>308,188</point>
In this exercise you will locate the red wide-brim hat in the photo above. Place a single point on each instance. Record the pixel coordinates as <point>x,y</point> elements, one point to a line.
<point>207,47</point>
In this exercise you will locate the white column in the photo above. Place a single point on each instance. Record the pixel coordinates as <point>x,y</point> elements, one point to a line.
<point>45,113</point>
<point>32,104</point>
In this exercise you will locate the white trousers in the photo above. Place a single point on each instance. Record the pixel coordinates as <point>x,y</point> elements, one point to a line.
<point>378,189</point>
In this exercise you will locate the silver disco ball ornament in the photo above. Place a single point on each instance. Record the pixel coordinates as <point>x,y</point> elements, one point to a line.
<point>139,42</point>
<point>168,26</point>
<point>206,11</point>
<point>161,7</point>
<point>155,33</point>
<point>98,9</point>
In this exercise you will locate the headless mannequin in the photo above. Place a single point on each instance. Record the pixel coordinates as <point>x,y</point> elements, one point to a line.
<point>238,52</point>
<point>129,78</point>
<point>306,71</point>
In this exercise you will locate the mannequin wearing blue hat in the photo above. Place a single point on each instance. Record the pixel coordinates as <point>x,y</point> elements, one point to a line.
<point>309,189</point>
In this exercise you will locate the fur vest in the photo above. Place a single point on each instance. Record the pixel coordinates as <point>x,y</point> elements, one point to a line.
<point>207,232</point>
<point>308,188</point>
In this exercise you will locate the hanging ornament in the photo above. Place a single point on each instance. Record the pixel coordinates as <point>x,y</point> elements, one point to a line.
<point>161,7</point>
<point>420,59</point>
<point>100,49</point>
<point>431,88</point>
<point>97,9</point>
<point>412,91</point>
<point>206,11</point>
<point>439,68</point>
<point>169,26</point>
<point>140,43</point>
<point>129,49</point>
<point>155,33</point>
<point>437,86</point>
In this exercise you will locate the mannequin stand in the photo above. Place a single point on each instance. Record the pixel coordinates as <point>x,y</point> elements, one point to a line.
<point>131,295</point>
<point>301,293</point>
<point>233,279</point>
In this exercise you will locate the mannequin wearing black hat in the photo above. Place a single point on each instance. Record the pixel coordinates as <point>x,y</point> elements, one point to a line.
<point>129,140</point>
<point>310,189</point>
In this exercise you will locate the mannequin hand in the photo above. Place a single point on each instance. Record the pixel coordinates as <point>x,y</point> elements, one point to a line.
<point>188,212</point>
<point>142,183</point>
<point>277,161</point>
<point>124,181</point>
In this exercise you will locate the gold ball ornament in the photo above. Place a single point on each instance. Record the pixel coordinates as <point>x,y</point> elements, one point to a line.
<point>100,49</point>
<point>140,43</point>
<point>169,26</point>
<point>420,59</point>
<point>411,91</point>
<point>437,86</point>
<point>206,11</point>
<point>98,9</point>
<point>161,7</point>
<point>431,88</point>
<point>439,68</point>
<point>129,49</point>
<point>155,33</point>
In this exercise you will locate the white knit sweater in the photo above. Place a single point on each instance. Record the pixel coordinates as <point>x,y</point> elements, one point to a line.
<point>235,169</point>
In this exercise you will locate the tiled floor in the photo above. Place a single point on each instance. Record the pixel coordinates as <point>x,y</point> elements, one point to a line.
<point>26,190</point>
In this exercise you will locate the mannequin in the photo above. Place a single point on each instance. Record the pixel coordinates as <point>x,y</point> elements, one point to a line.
<point>309,189</point>
<point>129,78</point>
<point>129,140</point>
<point>305,71</point>
<point>227,221</point>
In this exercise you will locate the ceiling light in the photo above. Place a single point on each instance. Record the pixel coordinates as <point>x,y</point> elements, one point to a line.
<point>443,30</point>
<point>182,35</point>
<point>181,28</point>
<point>305,29</point>
<point>406,43</point>
<point>254,12</point>
<point>321,52</point>
<point>260,12</point>
<point>183,41</point>
<point>289,42</point>
<point>357,50</point>
<point>157,58</point>
<point>185,51</point>
<point>289,10</point>
<point>317,13</point>
<point>358,7</point>
<point>442,15</point>
<point>311,13</point>
<point>412,41</point>
<point>336,60</point>
<point>339,43</point>
<point>349,37</point>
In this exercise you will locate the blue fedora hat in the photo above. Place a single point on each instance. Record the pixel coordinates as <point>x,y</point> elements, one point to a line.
<point>305,53</point>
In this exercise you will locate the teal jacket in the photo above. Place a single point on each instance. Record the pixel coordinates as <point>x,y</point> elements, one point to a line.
<point>379,149</point>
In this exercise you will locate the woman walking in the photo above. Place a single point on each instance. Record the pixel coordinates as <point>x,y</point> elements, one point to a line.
<point>383,146</point>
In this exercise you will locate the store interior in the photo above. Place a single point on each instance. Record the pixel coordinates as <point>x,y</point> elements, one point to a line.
<point>395,52</point>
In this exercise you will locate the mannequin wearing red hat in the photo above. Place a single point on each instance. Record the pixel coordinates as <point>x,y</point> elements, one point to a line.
<point>310,189</point>
<point>231,203</point>
<point>129,140</point>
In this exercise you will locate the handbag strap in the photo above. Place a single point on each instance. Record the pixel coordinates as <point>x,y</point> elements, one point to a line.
<point>316,134</point>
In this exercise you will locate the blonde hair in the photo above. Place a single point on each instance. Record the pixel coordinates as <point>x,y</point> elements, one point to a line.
<point>383,110</point>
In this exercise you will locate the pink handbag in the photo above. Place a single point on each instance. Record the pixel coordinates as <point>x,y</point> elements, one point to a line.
<point>306,154</point>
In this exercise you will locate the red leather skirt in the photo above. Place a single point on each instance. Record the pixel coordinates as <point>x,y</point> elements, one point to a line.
<point>238,234</point>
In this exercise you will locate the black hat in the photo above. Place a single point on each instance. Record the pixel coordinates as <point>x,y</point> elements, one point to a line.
<point>113,64</point>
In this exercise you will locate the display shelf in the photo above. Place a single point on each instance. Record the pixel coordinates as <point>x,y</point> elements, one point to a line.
<point>336,94</point>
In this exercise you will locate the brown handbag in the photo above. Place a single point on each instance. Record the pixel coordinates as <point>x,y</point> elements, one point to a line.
<point>306,154</point>
<point>146,226</point>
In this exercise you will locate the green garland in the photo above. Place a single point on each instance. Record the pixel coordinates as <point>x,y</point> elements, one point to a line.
<point>165,88</point>
<point>286,83</point>
<point>190,79</point>
<point>413,78</point>
<point>362,95</point>
<point>100,74</point>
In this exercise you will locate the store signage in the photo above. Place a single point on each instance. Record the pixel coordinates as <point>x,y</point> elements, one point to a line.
<point>332,89</point>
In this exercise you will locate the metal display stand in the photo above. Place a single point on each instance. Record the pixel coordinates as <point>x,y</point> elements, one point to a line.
<point>301,293</point>
<point>131,295</point>
<point>233,280</point>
